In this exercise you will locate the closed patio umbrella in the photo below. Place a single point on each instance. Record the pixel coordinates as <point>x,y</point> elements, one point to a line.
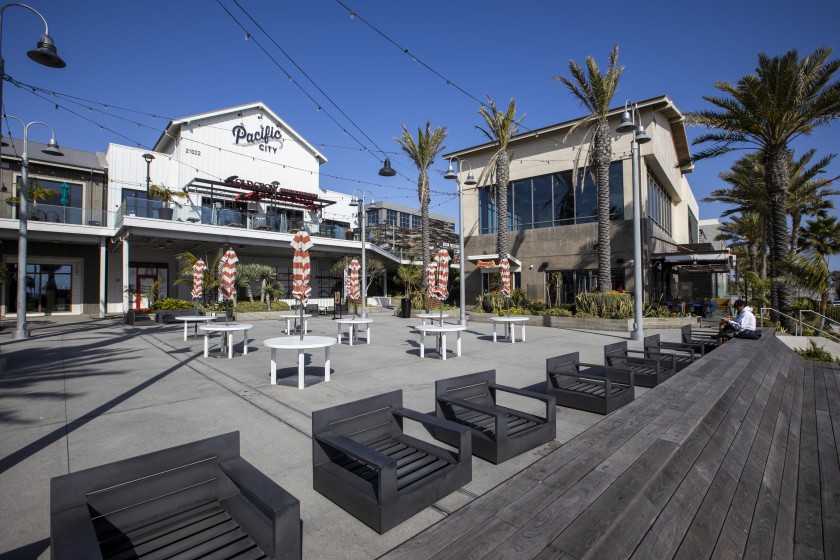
<point>431,281</point>
<point>504,272</point>
<point>300,271</point>
<point>227,288</point>
<point>353,286</point>
<point>198,278</point>
<point>442,288</point>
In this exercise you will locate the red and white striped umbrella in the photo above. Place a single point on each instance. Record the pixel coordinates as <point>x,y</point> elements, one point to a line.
<point>431,277</point>
<point>198,278</point>
<point>227,265</point>
<point>300,266</point>
<point>504,271</point>
<point>442,287</point>
<point>353,287</point>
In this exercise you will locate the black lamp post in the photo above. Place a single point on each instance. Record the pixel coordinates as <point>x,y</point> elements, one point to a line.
<point>470,181</point>
<point>148,158</point>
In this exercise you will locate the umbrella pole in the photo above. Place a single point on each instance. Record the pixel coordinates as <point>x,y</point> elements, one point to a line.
<point>508,305</point>
<point>302,328</point>
<point>441,312</point>
<point>227,311</point>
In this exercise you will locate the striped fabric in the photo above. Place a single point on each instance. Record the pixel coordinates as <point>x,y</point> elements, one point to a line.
<point>504,271</point>
<point>300,266</point>
<point>227,288</point>
<point>442,287</point>
<point>431,279</point>
<point>198,278</point>
<point>354,291</point>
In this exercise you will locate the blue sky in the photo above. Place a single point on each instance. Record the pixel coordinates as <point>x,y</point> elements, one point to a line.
<point>179,58</point>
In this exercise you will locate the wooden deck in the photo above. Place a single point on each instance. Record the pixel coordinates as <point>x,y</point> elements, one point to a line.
<point>735,456</point>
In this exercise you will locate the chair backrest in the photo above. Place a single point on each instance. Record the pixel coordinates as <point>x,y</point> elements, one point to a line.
<point>615,354</point>
<point>652,340</point>
<point>473,387</point>
<point>685,331</point>
<point>364,420</point>
<point>131,492</point>
<point>564,363</point>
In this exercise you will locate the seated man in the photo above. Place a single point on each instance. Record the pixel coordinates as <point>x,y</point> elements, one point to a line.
<point>742,326</point>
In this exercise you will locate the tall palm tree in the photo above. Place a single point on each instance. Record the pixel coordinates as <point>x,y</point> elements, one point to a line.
<point>808,194</point>
<point>810,269</point>
<point>423,151</point>
<point>784,99</point>
<point>747,230</point>
<point>595,91</point>
<point>501,128</point>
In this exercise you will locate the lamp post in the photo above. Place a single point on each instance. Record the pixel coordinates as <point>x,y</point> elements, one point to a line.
<point>44,52</point>
<point>360,202</point>
<point>148,158</point>
<point>470,181</point>
<point>628,124</point>
<point>53,150</point>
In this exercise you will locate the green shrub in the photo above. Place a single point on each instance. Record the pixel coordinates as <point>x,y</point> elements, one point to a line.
<point>536,307</point>
<point>614,305</point>
<point>279,306</point>
<point>518,298</point>
<point>658,311</point>
<point>171,303</point>
<point>492,302</point>
<point>250,306</point>
<point>556,312</point>
<point>816,353</point>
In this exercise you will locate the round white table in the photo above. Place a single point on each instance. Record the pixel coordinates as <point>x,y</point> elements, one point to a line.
<point>433,317</point>
<point>510,326</point>
<point>295,343</point>
<point>227,336</point>
<point>440,330</point>
<point>195,320</point>
<point>289,317</point>
<point>353,322</point>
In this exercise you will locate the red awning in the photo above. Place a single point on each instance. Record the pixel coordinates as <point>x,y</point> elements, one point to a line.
<point>253,196</point>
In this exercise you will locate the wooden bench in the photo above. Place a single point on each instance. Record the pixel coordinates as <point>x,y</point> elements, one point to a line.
<point>186,501</point>
<point>736,456</point>
<point>498,432</point>
<point>590,387</point>
<point>648,371</point>
<point>363,461</point>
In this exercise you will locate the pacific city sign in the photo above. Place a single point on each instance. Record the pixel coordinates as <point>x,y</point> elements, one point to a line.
<point>266,134</point>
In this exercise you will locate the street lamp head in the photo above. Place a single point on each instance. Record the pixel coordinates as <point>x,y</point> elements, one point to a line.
<point>450,173</point>
<point>470,180</point>
<point>46,53</point>
<point>52,148</point>
<point>641,137</point>
<point>387,170</point>
<point>148,158</point>
<point>626,122</point>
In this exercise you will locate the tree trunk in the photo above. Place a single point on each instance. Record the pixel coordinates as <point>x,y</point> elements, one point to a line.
<point>601,162</point>
<point>776,176</point>
<point>795,223</point>
<point>423,192</point>
<point>502,179</point>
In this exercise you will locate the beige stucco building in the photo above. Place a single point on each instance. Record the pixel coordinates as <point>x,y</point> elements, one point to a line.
<point>551,219</point>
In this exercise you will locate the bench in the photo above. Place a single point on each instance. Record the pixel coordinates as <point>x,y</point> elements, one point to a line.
<point>168,315</point>
<point>188,500</point>
<point>498,432</point>
<point>647,371</point>
<point>590,387</point>
<point>706,339</point>
<point>684,354</point>
<point>364,462</point>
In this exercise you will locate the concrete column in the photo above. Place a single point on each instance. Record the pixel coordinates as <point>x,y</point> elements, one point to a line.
<point>125,279</point>
<point>103,275</point>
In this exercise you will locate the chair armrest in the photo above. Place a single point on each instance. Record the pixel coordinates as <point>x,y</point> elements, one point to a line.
<point>472,406</point>
<point>682,346</point>
<point>259,487</point>
<point>72,535</point>
<point>356,450</point>
<point>463,433</point>
<point>688,351</point>
<point>550,402</point>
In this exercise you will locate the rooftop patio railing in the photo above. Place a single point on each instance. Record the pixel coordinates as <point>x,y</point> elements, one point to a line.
<point>61,214</point>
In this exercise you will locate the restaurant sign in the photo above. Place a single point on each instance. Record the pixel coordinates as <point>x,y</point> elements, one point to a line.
<point>277,193</point>
<point>244,137</point>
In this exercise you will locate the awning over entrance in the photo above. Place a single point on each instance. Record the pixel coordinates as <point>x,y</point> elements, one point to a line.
<point>237,189</point>
<point>697,262</point>
<point>490,262</point>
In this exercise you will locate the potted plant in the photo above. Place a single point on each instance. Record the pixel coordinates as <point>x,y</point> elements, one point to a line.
<point>167,197</point>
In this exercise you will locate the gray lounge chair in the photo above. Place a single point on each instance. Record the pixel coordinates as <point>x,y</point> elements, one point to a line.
<point>590,387</point>
<point>647,371</point>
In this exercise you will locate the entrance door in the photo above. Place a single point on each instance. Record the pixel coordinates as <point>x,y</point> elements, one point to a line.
<point>144,283</point>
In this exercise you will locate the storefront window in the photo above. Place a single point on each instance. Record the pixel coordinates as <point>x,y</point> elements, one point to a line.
<point>62,205</point>
<point>49,288</point>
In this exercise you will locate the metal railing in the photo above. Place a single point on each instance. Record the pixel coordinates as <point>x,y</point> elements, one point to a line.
<point>827,334</point>
<point>61,214</point>
<point>796,322</point>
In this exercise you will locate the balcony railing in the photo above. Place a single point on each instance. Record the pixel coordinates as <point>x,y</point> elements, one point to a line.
<point>211,215</point>
<point>60,214</point>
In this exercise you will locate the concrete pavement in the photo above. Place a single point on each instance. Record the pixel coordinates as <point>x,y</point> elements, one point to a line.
<point>83,392</point>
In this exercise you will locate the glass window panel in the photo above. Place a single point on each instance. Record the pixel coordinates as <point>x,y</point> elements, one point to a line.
<point>521,211</point>
<point>586,198</point>
<point>415,222</point>
<point>487,212</point>
<point>564,199</point>
<point>391,216</point>
<point>543,211</point>
<point>373,217</point>
<point>616,190</point>
<point>404,219</point>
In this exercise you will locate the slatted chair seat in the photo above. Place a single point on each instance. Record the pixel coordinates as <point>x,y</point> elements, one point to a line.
<point>198,500</point>
<point>363,461</point>
<point>498,432</point>
<point>647,371</point>
<point>590,387</point>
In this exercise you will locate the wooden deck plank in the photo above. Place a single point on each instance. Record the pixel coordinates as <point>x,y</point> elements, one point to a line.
<point>831,372</point>
<point>829,466</point>
<point>478,542</point>
<point>688,520</point>
<point>808,535</point>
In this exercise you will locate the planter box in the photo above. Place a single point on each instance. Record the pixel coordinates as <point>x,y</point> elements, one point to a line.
<point>593,323</point>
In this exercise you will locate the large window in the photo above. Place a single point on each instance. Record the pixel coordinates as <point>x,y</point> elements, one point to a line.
<point>373,217</point>
<point>693,230</point>
<point>405,220</point>
<point>49,288</point>
<point>391,217</point>
<point>550,200</point>
<point>659,203</point>
<point>62,202</point>
<point>415,222</point>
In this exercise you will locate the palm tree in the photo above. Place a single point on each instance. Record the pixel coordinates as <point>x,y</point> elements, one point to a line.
<point>423,151</point>
<point>747,230</point>
<point>808,194</point>
<point>409,276</point>
<point>251,273</point>
<point>810,269</point>
<point>595,91</point>
<point>785,98</point>
<point>501,128</point>
<point>212,278</point>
